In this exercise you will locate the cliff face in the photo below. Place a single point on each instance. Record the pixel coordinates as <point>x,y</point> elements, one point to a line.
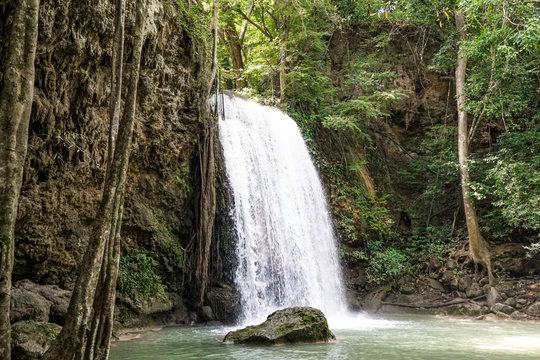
<point>68,134</point>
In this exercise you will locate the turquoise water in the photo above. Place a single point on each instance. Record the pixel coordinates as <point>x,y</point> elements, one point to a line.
<point>366,338</point>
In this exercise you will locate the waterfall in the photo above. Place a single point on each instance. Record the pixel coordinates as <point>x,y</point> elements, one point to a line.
<point>286,247</point>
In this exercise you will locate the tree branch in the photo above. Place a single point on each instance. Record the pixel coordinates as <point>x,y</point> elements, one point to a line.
<point>262,30</point>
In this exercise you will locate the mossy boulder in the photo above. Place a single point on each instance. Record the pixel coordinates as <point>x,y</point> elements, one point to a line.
<point>30,339</point>
<point>287,326</point>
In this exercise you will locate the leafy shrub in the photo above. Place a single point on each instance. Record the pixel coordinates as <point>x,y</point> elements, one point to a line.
<point>137,275</point>
<point>385,265</point>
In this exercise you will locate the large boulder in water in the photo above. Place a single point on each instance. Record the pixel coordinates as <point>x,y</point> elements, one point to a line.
<point>287,326</point>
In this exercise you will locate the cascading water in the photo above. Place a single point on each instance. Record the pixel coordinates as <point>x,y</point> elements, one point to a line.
<point>286,248</point>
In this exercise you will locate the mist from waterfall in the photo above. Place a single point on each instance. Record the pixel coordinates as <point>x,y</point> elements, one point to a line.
<point>286,248</point>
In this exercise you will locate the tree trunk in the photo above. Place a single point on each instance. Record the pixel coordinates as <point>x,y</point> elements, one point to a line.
<point>16,97</point>
<point>235,50</point>
<point>116,76</point>
<point>106,313</point>
<point>207,208</point>
<point>478,246</point>
<point>73,334</point>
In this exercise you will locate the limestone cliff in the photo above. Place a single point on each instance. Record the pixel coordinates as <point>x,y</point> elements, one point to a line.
<point>68,137</point>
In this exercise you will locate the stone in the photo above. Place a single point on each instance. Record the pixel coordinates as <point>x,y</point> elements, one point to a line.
<point>207,314</point>
<point>30,339</point>
<point>522,301</point>
<point>489,317</point>
<point>492,296</point>
<point>501,315</point>
<point>464,309</point>
<point>158,303</point>
<point>506,309</point>
<point>518,315</point>
<point>451,263</point>
<point>435,263</point>
<point>449,279</point>
<point>464,283</point>
<point>58,297</point>
<point>225,303</point>
<point>434,284</point>
<point>511,302</point>
<point>287,326</point>
<point>534,309</point>
<point>28,305</point>
<point>407,289</point>
<point>406,285</point>
<point>484,281</point>
<point>474,291</point>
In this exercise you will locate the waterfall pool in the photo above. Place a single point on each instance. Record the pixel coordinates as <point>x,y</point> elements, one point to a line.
<point>388,337</point>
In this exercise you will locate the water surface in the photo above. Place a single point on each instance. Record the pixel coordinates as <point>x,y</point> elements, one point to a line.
<point>366,338</point>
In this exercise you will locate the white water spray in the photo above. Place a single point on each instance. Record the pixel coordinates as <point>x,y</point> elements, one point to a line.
<point>286,247</point>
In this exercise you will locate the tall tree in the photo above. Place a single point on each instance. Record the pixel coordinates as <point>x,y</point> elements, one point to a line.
<point>98,337</point>
<point>71,342</point>
<point>16,94</point>
<point>234,41</point>
<point>478,246</point>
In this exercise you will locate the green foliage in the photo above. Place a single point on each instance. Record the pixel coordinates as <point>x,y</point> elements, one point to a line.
<point>533,250</point>
<point>511,183</point>
<point>138,276</point>
<point>193,17</point>
<point>365,77</point>
<point>434,175</point>
<point>503,54</point>
<point>363,212</point>
<point>385,265</point>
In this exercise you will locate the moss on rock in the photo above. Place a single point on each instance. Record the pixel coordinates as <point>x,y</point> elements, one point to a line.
<point>287,326</point>
<point>30,339</point>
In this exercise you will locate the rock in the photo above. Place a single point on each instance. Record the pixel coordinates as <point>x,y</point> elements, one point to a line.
<point>193,318</point>
<point>179,314</point>
<point>372,301</point>
<point>27,305</point>
<point>225,303</point>
<point>58,297</point>
<point>449,279</point>
<point>214,323</point>
<point>518,315</point>
<point>434,275</point>
<point>511,302</point>
<point>506,309</point>
<point>465,309</point>
<point>501,315</point>
<point>534,309</point>
<point>287,326</point>
<point>406,285</point>
<point>30,339</point>
<point>464,283</point>
<point>353,299</point>
<point>484,281</point>
<point>434,284</point>
<point>492,295</point>
<point>474,291</point>
<point>207,314</point>
<point>158,303</point>
<point>435,263</point>
<point>522,301</point>
<point>451,263</point>
<point>489,317</point>
<point>407,289</point>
